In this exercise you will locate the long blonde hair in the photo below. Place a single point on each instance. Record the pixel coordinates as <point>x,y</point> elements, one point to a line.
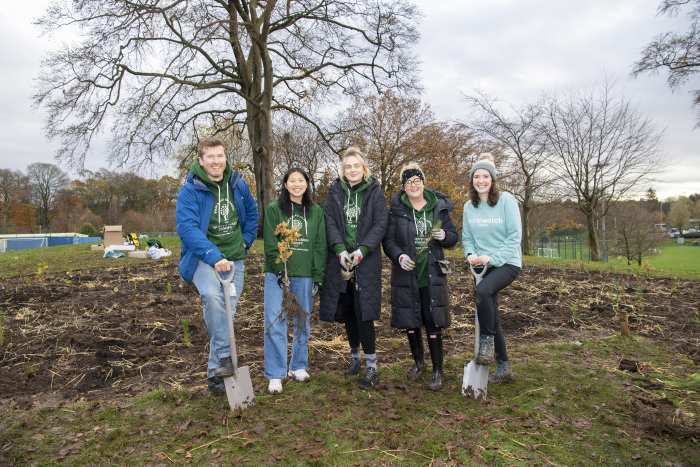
<point>355,152</point>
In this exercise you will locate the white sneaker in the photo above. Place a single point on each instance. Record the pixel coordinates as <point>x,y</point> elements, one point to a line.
<point>275,386</point>
<point>300,375</point>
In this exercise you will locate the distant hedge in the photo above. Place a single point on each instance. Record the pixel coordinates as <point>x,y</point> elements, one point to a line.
<point>691,235</point>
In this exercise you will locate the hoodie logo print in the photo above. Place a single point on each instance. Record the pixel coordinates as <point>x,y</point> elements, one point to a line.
<point>297,223</point>
<point>352,213</point>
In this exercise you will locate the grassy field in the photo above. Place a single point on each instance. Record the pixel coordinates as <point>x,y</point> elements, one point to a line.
<point>69,258</point>
<point>569,406</point>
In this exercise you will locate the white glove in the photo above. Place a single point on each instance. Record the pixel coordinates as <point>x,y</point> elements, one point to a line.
<point>345,260</point>
<point>355,258</point>
<point>438,234</point>
<point>406,263</point>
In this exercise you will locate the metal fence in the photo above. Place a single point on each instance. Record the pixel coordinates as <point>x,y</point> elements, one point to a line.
<point>563,244</point>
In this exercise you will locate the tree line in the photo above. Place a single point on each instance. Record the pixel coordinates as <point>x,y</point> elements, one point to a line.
<point>44,198</point>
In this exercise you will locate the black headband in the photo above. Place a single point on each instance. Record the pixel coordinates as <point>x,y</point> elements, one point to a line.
<point>411,173</point>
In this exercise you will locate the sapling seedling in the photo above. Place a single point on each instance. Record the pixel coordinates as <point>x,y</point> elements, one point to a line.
<point>561,287</point>
<point>168,289</point>
<point>673,285</point>
<point>290,302</point>
<point>185,331</point>
<point>640,297</point>
<point>437,225</point>
<point>2,329</point>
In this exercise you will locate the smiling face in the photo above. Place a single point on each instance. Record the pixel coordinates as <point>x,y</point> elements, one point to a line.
<point>482,183</point>
<point>213,161</point>
<point>414,188</point>
<point>353,170</point>
<point>296,185</point>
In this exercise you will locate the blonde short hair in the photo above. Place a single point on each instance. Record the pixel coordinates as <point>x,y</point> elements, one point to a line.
<point>355,152</point>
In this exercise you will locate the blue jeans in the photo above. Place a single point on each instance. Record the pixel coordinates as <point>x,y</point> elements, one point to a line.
<point>214,309</point>
<point>276,335</point>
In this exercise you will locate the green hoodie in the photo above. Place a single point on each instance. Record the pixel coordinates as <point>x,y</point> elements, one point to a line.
<point>309,252</point>
<point>224,226</point>
<point>351,210</point>
<point>423,220</point>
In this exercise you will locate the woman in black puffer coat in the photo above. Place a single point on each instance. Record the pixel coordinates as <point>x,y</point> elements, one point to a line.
<point>419,295</point>
<point>356,218</point>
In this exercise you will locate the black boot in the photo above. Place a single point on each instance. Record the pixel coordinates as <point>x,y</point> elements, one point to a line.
<point>435,346</point>
<point>415,341</point>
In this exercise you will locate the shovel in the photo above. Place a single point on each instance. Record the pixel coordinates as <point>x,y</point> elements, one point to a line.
<point>476,377</point>
<point>239,387</point>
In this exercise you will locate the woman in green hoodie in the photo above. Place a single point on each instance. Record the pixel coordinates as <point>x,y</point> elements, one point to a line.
<point>305,271</point>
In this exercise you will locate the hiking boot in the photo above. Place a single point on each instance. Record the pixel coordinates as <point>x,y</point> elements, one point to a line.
<point>299,375</point>
<point>275,386</point>
<point>370,378</point>
<point>503,373</point>
<point>415,341</point>
<point>354,368</point>
<point>487,355</point>
<point>436,356</point>
<point>224,368</point>
<point>216,385</point>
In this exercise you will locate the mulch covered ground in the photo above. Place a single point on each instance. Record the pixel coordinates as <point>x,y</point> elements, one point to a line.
<point>96,333</point>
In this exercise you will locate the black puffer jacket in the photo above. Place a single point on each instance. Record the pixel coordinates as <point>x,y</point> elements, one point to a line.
<point>371,227</point>
<point>399,240</point>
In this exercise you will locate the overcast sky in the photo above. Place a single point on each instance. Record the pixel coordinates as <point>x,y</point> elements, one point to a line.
<point>511,49</point>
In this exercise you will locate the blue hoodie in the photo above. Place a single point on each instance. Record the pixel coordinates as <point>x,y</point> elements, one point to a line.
<point>195,203</point>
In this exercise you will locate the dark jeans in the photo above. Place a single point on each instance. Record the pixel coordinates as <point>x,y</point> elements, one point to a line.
<point>358,331</point>
<point>430,327</point>
<point>495,280</point>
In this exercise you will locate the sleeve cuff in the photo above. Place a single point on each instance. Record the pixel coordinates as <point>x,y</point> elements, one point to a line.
<point>339,248</point>
<point>364,250</point>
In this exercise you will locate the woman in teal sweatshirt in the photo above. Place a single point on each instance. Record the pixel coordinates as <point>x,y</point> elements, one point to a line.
<point>305,271</point>
<point>491,236</point>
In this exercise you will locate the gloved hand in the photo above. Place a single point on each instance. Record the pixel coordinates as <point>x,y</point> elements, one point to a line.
<point>280,280</point>
<point>355,258</point>
<point>316,289</point>
<point>345,260</point>
<point>438,234</point>
<point>406,263</point>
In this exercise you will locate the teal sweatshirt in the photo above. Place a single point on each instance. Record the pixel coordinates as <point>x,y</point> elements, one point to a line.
<point>494,231</point>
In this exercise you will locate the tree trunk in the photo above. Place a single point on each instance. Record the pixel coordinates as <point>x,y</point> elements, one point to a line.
<point>260,135</point>
<point>593,237</point>
<point>526,219</point>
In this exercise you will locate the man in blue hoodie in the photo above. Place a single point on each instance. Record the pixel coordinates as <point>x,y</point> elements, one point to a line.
<point>217,220</point>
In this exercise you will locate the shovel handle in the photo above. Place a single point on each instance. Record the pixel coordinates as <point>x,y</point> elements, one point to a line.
<point>477,327</point>
<point>225,283</point>
<point>478,277</point>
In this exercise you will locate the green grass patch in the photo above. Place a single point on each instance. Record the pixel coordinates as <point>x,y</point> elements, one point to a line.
<point>569,406</point>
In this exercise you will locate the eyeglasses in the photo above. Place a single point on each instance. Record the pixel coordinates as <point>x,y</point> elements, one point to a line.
<point>417,182</point>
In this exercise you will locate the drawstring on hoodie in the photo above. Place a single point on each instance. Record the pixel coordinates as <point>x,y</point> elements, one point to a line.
<point>306,229</point>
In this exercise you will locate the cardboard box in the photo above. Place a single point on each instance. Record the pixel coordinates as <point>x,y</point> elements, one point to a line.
<point>139,254</point>
<point>97,248</point>
<point>113,235</point>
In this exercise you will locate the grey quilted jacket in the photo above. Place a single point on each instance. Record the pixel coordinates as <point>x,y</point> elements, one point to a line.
<point>368,274</point>
<point>399,240</point>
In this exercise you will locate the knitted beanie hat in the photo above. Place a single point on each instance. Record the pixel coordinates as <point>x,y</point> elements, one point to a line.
<point>486,162</point>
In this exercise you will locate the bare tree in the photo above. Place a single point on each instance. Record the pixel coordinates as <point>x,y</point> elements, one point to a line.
<point>297,144</point>
<point>520,136</point>
<point>14,189</point>
<point>602,146</point>
<point>46,181</point>
<point>679,54</point>
<point>155,69</point>
<point>386,127</point>
<point>635,233</point>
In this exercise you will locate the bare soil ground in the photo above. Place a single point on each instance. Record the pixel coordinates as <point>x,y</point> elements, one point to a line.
<point>94,334</point>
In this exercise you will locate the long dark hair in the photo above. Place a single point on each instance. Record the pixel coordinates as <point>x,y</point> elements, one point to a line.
<point>285,201</point>
<point>493,194</point>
